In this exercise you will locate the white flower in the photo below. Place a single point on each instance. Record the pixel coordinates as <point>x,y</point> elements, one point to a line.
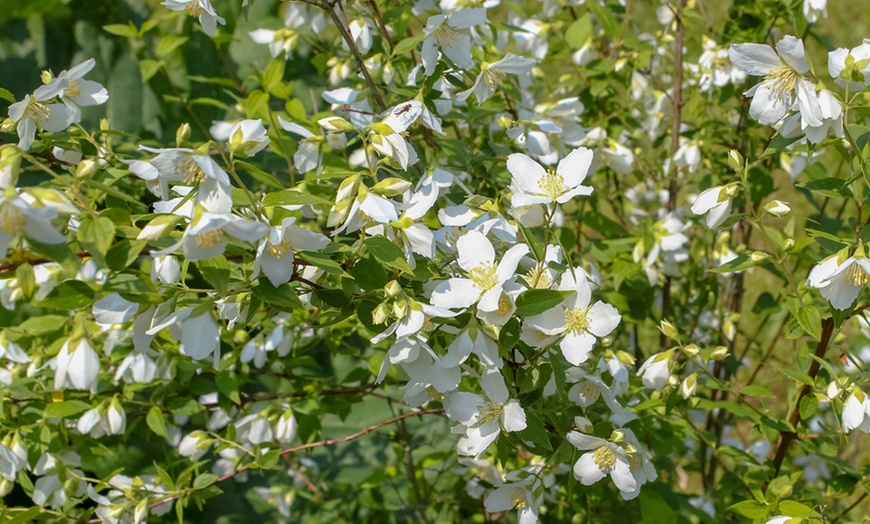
<point>815,9</point>
<point>784,85</point>
<point>531,184</point>
<point>715,203</point>
<point>165,269</point>
<point>285,427</point>
<point>510,496</point>
<point>248,137</point>
<point>574,320</point>
<point>199,334</point>
<point>441,31</point>
<point>386,135</point>
<point>114,309</point>
<point>841,282</point>
<point>483,418</point>
<point>656,371</point>
<point>860,57</point>
<point>17,216</point>
<point>716,67</point>
<point>603,459</point>
<point>201,9</point>
<point>77,366</point>
<point>485,281</point>
<point>493,75</point>
<point>856,412</point>
<point>80,93</point>
<point>206,236</point>
<point>180,166</point>
<point>34,113</point>
<point>194,445</point>
<point>275,253</point>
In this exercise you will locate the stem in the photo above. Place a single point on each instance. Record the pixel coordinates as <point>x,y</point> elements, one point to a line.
<point>789,436</point>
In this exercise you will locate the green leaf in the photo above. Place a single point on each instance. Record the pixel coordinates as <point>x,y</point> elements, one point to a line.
<point>808,406</point>
<point>756,391</point>
<point>66,408</point>
<point>148,68</point>
<point>125,30</point>
<point>124,253</point>
<point>273,76</point>
<point>605,17</point>
<point>204,480</point>
<point>388,253</point>
<point>750,508</point>
<point>797,376</point>
<point>579,32</point>
<point>155,421</point>
<point>536,301</point>
<point>70,294</point>
<point>536,433</point>
<point>292,197</point>
<point>6,95</point>
<point>738,264</point>
<point>368,274</point>
<point>508,336</point>
<point>407,44</point>
<point>96,234</point>
<point>216,271</point>
<point>28,515</point>
<point>829,187</point>
<point>810,320</point>
<point>170,43</point>
<point>228,384</point>
<point>283,296</point>
<point>777,144</point>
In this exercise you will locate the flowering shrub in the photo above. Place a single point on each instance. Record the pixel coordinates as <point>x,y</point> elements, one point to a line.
<point>370,261</point>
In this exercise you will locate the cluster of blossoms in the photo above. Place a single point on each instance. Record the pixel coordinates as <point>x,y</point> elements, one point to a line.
<point>461,274</point>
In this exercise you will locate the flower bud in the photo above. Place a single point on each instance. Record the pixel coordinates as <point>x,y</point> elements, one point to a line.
<point>379,315</point>
<point>583,424</point>
<point>617,436</point>
<point>86,168</point>
<point>735,160</point>
<point>833,391</point>
<point>400,308</point>
<point>669,330</point>
<point>104,124</point>
<point>46,77</point>
<point>788,245</point>
<point>690,350</point>
<point>182,134</point>
<point>335,124</point>
<point>392,288</point>
<point>719,353</point>
<point>248,137</point>
<point>759,257</point>
<point>391,187</point>
<point>777,208</point>
<point>687,388</point>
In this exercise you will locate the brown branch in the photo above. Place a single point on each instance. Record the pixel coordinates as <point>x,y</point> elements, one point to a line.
<point>348,39</point>
<point>318,444</point>
<point>789,436</point>
<point>379,21</point>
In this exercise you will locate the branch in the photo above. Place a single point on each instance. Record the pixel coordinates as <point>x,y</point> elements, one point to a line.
<point>789,436</point>
<point>348,39</point>
<point>318,444</point>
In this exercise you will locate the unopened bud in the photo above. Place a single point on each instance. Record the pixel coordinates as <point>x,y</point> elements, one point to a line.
<point>777,208</point>
<point>690,383</point>
<point>335,124</point>
<point>86,168</point>
<point>735,160</point>
<point>240,336</point>
<point>691,350</point>
<point>46,77</point>
<point>759,257</point>
<point>788,245</point>
<point>669,330</point>
<point>583,424</point>
<point>719,353</point>
<point>379,315</point>
<point>617,436</point>
<point>732,190</point>
<point>400,308</point>
<point>392,288</point>
<point>104,124</point>
<point>833,391</point>
<point>182,134</point>
<point>391,187</point>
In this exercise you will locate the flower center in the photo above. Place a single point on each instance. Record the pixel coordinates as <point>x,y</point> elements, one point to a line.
<point>783,81</point>
<point>73,89</point>
<point>518,498</point>
<point>575,320</point>
<point>190,171</point>
<point>604,458</point>
<point>280,249</point>
<point>445,35</point>
<point>589,391</point>
<point>504,304</point>
<point>493,77</point>
<point>209,239</point>
<point>483,276</point>
<point>552,184</point>
<point>37,111</point>
<point>193,8</point>
<point>857,277</point>
<point>489,413</point>
<point>11,219</point>
<point>538,278</point>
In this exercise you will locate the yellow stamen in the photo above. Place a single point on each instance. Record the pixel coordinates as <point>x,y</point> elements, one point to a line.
<point>280,249</point>
<point>604,458</point>
<point>209,239</point>
<point>483,276</point>
<point>857,277</point>
<point>11,219</point>
<point>575,320</point>
<point>552,184</point>
<point>489,413</point>
<point>73,89</point>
